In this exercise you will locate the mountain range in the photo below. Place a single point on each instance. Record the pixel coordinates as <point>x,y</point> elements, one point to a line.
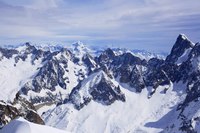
<point>83,90</point>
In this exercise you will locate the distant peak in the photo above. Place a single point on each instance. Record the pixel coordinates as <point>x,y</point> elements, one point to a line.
<point>80,50</point>
<point>78,44</point>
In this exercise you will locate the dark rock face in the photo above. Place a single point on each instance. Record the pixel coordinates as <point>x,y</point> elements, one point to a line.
<point>137,80</point>
<point>156,74</point>
<point>24,109</point>
<point>125,73</point>
<point>106,56</point>
<point>8,53</point>
<point>123,66</point>
<point>33,117</point>
<point>90,62</point>
<point>7,113</point>
<point>27,110</point>
<point>104,91</point>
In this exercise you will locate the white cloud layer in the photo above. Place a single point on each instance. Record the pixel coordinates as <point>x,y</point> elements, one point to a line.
<point>143,24</point>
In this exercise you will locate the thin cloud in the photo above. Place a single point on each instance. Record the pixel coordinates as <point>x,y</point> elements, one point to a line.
<point>142,23</point>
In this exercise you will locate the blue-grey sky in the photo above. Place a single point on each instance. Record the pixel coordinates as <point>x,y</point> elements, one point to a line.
<point>151,25</point>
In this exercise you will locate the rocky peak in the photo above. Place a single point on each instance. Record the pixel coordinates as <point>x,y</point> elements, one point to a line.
<point>98,87</point>
<point>79,49</point>
<point>26,48</point>
<point>106,56</point>
<point>62,55</point>
<point>182,45</point>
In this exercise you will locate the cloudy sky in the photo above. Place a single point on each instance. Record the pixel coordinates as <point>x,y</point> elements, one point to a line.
<point>152,25</point>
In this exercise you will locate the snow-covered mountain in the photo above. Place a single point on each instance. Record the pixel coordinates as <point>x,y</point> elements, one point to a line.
<point>79,89</point>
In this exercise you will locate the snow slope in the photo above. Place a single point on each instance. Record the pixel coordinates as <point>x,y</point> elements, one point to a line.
<point>20,125</point>
<point>13,77</point>
<point>137,114</point>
